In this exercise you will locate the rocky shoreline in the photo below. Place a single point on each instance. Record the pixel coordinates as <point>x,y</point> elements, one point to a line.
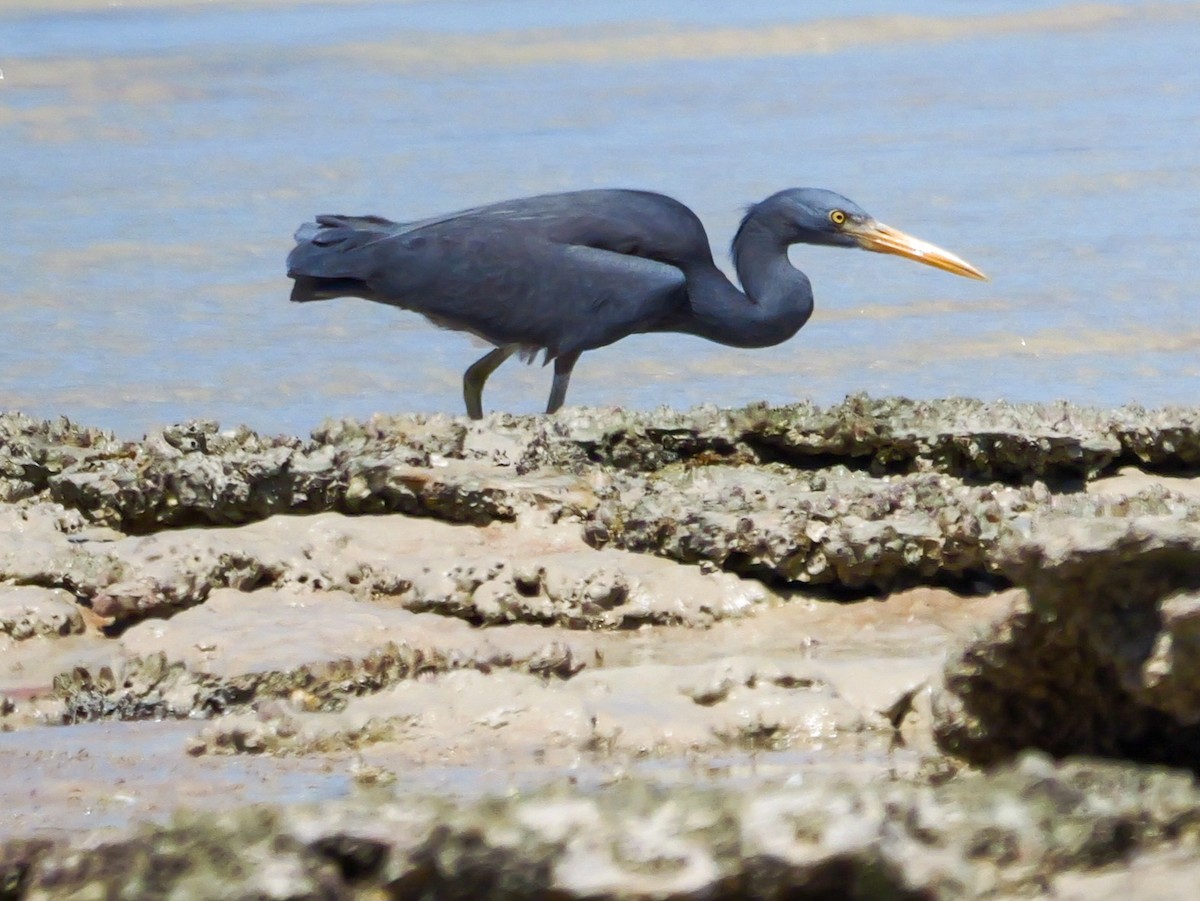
<point>730,653</point>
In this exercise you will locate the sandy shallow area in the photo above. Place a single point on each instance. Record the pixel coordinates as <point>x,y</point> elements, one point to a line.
<point>626,636</point>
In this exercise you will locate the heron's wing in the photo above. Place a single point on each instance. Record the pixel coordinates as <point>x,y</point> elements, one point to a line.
<point>512,287</point>
<point>633,223</point>
<point>545,208</point>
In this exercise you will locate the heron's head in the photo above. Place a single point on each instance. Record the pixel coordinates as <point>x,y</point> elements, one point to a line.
<point>817,216</point>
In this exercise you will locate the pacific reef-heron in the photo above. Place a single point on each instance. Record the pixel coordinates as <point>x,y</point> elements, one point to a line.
<point>564,273</point>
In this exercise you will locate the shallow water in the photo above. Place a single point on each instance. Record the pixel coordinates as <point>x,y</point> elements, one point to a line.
<point>157,161</point>
<point>103,775</point>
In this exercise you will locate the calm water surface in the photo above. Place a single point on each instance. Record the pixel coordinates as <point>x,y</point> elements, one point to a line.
<point>156,162</point>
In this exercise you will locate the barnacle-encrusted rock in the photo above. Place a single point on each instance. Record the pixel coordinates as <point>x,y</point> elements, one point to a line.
<point>1164,439</point>
<point>32,450</point>
<point>194,473</point>
<point>823,527</point>
<point>243,478</point>
<point>690,486</point>
<point>1006,442</point>
<point>1102,658</point>
<point>839,527</point>
<point>1007,834</point>
<point>431,599</point>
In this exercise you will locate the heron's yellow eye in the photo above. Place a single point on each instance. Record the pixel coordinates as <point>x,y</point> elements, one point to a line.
<point>837,217</point>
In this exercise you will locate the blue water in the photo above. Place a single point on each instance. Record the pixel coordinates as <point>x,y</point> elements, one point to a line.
<point>156,162</point>
<point>119,31</point>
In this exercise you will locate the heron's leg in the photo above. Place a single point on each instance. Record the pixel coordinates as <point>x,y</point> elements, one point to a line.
<point>477,373</point>
<point>562,378</point>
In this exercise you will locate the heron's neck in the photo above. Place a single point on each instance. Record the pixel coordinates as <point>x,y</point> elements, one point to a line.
<point>778,299</point>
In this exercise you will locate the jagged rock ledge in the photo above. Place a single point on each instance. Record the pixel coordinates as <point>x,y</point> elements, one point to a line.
<point>194,473</point>
<point>868,495</point>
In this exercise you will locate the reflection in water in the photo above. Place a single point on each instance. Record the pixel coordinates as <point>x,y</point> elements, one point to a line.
<point>158,160</point>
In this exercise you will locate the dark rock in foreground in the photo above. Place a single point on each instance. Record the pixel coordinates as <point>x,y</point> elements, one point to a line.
<point>1103,657</point>
<point>1020,830</point>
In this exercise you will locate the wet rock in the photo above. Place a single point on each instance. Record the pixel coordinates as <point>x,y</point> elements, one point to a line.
<point>794,678</point>
<point>30,669</point>
<point>771,522</point>
<point>533,571</point>
<point>802,687</point>
<point>28,611</point>
<point>228,653</point>
<point>1102,658</point>
<point>17,857</point>
<point>581,588</point>
<point>426,624</point>
<point>662,711</point>
<point>1018,831</point>
<point>243,854</point>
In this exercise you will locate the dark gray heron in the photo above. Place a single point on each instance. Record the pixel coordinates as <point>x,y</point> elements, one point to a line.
<point>565,273</point>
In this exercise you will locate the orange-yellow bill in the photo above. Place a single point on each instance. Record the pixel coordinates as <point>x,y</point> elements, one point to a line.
<point>882,238</point>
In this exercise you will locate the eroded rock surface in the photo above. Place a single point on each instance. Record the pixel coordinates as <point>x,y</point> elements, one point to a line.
<point>536,572</point>
<point>471,609</point>
<point>26,611</point>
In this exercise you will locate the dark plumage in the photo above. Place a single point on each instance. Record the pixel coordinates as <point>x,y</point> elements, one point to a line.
<point>566,273</point>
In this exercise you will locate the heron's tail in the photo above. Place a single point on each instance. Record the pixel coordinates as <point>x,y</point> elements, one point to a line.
<point>329,259</point>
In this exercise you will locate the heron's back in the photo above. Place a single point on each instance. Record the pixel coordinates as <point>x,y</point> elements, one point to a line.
<point>564,272</point>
